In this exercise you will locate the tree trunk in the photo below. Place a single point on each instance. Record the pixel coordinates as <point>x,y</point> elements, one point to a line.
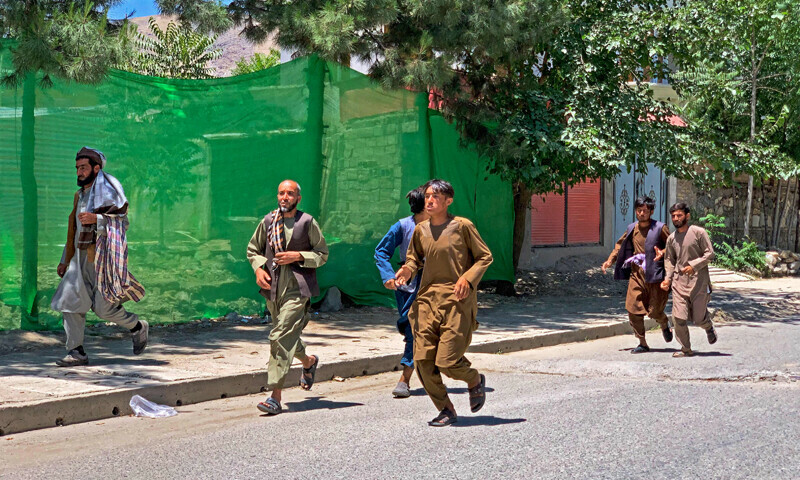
<point>735,215</point>
<point>764,211</point>
<point>784,209</point>
<point>30,206</point>
<point>748,208</point>
<point>753,97</point>
<point>797,218</point>
<point>776,219</point>
<point>522,205</point>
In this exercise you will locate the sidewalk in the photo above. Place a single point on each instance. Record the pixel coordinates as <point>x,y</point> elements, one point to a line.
<point>202,361</point>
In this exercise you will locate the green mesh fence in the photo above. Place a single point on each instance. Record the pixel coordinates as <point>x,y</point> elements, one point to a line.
<point>200,161</point>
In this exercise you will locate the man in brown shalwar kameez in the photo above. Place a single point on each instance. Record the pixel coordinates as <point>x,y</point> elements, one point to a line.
<point>687,255</point>
<point>443,315</point>
<point>635,259</point>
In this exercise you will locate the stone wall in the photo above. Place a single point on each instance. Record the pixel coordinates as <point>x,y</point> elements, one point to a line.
<point>783,263</point>
<point>720,201</point>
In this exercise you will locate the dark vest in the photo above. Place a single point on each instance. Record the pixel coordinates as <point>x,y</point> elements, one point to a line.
<point>306,277</point>
<point>654,271</point>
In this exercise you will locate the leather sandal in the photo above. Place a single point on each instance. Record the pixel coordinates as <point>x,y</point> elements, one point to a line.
<point>477,395</point>
<point>306,382</point>
<point>445,418</point>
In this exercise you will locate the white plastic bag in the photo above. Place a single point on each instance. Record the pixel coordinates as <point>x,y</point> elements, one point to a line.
<point>143,407</point>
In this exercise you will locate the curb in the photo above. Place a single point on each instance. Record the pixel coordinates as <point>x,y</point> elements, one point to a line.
<point>102,405</point>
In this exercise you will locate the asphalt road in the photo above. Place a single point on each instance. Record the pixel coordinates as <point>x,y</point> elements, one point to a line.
<point>586,410</point>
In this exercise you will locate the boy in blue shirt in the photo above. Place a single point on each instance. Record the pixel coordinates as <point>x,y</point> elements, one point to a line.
<point>399,236</point>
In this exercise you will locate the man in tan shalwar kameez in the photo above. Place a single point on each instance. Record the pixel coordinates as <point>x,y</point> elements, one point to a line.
<point>635,258</point>
<point>443,315</point>
<point>686,257</point>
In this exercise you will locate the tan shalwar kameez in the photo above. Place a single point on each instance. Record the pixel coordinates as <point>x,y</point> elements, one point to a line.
<point>442,325</point>
<point>642,298</point>
<point>690,293</point>
<point>290,309</point>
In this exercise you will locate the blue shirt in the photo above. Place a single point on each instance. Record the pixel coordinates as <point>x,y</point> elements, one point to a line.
<point>399,236</point>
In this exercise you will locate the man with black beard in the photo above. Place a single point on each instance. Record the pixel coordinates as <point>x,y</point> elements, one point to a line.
<point>285,251</point>
<point>686,258</point>
<point>98,219</point>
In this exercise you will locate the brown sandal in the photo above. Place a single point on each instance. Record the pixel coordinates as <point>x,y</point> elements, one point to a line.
<point>477,395</point>
<point>682,354</point>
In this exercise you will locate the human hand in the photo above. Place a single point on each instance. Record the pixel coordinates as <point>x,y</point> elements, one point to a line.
<point>285,258</point>
<point>659,253</point>
<point>665,285</point>
<point>605,266</point>
<point>87,218</point>
<point>462,289</point>
<point>390,284</point>
<point>688,270</point>
<point>263,278</point>
<point>402,276</point>
<point>61,269</point>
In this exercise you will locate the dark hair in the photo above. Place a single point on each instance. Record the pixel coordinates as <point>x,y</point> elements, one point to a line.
<point>645,201</point>
<point>679,206</point>
<point>416,200</point>
<point>440,186</point>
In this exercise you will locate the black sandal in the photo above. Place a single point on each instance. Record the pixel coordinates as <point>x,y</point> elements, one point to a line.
<point>307,382</point>
<point>445,418</point>
<point>477,395</point>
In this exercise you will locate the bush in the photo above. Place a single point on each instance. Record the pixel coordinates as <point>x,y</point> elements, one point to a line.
<point>740,256</point>
<point>745,257</point>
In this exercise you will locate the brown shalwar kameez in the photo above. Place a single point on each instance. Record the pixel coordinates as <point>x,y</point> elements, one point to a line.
<point>442,325</point>
<point>690,293</point>
<point>642,298</point>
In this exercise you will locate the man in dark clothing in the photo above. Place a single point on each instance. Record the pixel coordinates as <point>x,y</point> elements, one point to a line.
<point>636,258</point>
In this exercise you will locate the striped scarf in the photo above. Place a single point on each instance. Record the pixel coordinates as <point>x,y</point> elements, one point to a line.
<point>276,237</point>
<point>114,281</point>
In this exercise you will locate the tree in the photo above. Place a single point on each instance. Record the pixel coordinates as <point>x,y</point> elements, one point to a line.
<point>552,92</point>
<point>52,39</point>
<point>738,74</point>
<point>175,52</point>
<point>257,62</point>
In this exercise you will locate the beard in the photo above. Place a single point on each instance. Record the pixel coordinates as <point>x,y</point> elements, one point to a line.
<point>88,180</point>
<point>288,208</point>
<point>679,224</point>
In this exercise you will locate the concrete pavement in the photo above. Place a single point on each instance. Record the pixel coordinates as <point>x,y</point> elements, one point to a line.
<point>206,360</point>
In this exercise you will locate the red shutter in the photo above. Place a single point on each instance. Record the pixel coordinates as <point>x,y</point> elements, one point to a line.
<point>583,203</point>
<point>547,220</point>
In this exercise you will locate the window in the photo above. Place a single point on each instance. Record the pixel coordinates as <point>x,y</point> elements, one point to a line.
<point>573,218</point>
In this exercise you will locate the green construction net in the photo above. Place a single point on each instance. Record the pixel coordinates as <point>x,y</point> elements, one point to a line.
<point>200,161</point>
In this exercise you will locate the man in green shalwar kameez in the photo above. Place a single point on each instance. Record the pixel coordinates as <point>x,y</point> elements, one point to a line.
<point>285,251</point>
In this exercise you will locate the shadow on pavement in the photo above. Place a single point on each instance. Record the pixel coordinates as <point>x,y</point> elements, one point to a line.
<point>318,403</point>
<point>486,421</point>
<point>712,354</point>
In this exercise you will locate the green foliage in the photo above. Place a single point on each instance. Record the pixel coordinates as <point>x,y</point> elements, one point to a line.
<point>539,86</point>
<point>176,52</point>
<point>738,75</point>
<point>714,225</point>
<point>738,256</point>
<point>257,62</point>
<point>68,40</point>
<point>744,257</point>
